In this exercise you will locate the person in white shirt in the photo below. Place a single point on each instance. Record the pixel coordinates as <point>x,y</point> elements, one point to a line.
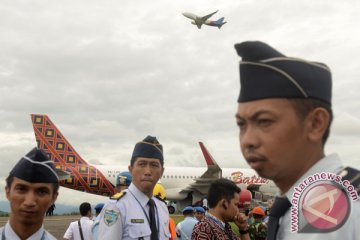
<point>81,229</point>
<point>135,213</point>
<point>95,226</point>
<point>31,188</point>
<point>284,117</point>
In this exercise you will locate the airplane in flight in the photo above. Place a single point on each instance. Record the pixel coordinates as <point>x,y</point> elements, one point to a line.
<point>184,185</point>
<point>199,21</point>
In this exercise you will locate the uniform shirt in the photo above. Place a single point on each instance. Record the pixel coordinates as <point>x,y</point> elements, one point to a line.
<point>185,228</point>
<point>127,217</point>
<point>213,229</point>
<point>350,229</point>
<point>257,231</point>
<point>95,228</point>
<point>73,231</point>
<point>7,233</point>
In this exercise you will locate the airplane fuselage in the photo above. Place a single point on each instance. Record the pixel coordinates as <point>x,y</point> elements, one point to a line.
<point>175,178</point>
<point>199,21</point>
<point>182,184</point>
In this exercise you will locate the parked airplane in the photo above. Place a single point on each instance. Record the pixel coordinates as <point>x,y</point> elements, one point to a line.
<point>185,185</point>
<point>199,21</point>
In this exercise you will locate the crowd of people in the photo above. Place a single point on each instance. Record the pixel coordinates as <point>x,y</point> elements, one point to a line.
<point>284,116</point>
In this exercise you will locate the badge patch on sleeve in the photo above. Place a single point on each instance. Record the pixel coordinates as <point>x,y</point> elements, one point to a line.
<point>111,216</point>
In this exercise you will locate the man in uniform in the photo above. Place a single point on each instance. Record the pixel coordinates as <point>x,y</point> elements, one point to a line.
<point>123,181</point>
<point>257,229</point>
<point>284,116</point>
<point>199,213</point>
<point>135,213</point>
<point>185,227</point>
<point>31,188</point>
<point>95,226</point>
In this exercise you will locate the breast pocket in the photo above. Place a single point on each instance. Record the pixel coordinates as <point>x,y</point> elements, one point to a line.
<point>139,231</point>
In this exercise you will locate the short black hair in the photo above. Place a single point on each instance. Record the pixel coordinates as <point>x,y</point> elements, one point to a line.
<point>84,208</point>
<point>304,106</point>
<point>221,189</point>
<point>9,180</point>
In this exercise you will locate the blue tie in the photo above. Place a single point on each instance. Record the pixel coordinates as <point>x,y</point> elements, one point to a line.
<point>280,207</point>
<point>154,232</point>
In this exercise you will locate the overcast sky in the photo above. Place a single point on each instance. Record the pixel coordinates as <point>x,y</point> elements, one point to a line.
<point>108,73</point>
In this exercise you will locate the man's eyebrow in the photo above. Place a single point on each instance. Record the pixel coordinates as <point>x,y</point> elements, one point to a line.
<point>43,188</point>
<point>20,185</point>
<point>254,116</point>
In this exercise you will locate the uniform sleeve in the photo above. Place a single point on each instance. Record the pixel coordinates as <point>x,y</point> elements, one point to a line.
<point>178,233</point>
<point>69,232</point>
<point>110,225</point>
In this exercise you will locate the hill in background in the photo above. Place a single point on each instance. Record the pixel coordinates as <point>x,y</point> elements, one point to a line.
<point>59,210</point>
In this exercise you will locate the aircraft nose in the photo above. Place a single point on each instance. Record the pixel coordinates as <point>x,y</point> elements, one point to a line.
<point>185,14</point>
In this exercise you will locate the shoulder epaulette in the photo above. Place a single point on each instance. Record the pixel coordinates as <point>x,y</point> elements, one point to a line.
<point>117,196</point>
<point>162,200</point>
<point>352,175</point>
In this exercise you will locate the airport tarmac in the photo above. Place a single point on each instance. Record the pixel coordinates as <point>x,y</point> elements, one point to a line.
<point>56,225</point>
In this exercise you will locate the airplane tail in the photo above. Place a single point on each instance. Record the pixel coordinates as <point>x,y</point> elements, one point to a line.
<point>210,161</point>
<point>220,22</point>
<point>83,176</point>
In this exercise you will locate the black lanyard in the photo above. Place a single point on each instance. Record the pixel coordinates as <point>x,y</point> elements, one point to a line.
<point>147,217</point>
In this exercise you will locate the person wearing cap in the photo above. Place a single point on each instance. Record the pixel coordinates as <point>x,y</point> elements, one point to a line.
<point>31,188</point>
<point>81,229</point>
<point>123,181</point>
<point>284,116</point>
<point>185,227</point>
<point>223,201</point>
<point>160,193</point>
<point>135,213</point>
<point>95,225</point>
<point>257,229</point>
<point>199,213</point>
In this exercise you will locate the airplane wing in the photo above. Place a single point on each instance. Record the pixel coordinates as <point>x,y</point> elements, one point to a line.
<point>212,173</point>
<point>204,18</point>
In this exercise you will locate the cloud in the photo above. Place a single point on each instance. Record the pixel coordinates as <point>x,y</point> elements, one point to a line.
<point>109,74</point>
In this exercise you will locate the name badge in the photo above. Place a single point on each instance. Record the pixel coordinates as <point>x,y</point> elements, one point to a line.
<point>137,220</point>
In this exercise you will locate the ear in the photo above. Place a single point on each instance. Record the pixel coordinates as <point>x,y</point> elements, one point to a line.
<point>55,197</point>
<point>130,169</point>
<point>224,204</point>
<point>317,122</point>
<point>7,191</point>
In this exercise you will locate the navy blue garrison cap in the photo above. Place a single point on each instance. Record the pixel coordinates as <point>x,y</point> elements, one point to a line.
<point>123,179</point>
<point>267,73</point>
<point>188,209</point>
<point>148,148</point>
<point>35,167</point>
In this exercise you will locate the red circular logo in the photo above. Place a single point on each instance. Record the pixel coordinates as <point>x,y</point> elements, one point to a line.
<point>325,207</point>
